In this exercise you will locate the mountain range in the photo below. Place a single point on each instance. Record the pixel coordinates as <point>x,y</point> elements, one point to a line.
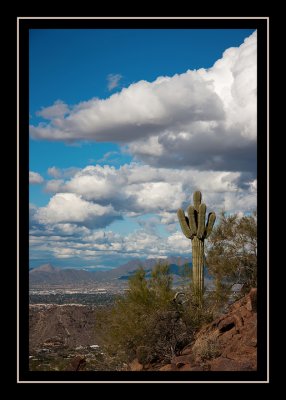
<point>47,274</point>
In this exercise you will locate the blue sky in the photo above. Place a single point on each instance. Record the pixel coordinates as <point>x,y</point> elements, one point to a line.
<point>124,126</point>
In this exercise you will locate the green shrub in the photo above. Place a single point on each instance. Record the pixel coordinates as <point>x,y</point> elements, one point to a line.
<point>232,253</point>
<point>147,322</point>
<point>130,323</point>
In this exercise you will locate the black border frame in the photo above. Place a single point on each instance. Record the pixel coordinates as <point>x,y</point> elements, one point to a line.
<point>26,23</point>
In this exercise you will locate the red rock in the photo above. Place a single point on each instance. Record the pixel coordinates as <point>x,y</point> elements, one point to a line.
<point>232,341</point>
<point>237,337</point>
<point>226,324</point>
<point>197,368</point>
<point>250,338</point>
<point>223,364</point>
<point>168,367</point>
<point>136,366</point>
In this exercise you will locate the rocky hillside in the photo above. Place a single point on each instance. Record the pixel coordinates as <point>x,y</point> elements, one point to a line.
<point>60,332</point>
<point>226,344</point>
<point>60,325</point>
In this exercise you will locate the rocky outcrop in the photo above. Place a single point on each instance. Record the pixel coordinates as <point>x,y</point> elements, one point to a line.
<point>227,344</point>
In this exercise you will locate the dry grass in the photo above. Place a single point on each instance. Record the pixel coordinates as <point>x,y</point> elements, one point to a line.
<point>206,346</point>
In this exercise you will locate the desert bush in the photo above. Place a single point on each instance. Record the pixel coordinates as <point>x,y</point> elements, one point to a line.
<point>206,346</point>
<point>148,323</point>
<point>136,319</point>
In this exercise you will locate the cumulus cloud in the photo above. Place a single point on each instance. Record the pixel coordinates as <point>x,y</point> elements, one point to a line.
<point>71,208</point>
<point>202,118</point>
<point>135,189</point>
<point>140,110</point>
<point>35,178</point>
<point>105,245</point>
<point>69,226</point>
<point>113,81</point>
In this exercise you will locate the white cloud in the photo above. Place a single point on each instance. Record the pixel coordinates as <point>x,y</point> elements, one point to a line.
<point>71,208</point>
<point>156,196</point>
<point>54,172</point>
<point>109,155</point>
<point>168,217</point>
<point>179,242</point>
<point>113,81</point>
<point>69,226</point>
<point>238,202</point>
<point>54,185</point>
<point>253,185</point>
<point>62,172</point>
<point>137,111</point>
<point>58,110</point>
<point>35,178</point>
<point>204,118</point>
<point>135,189</point>
<point>103,245</point>
<point>67,229</point>
<point>149,147</point>
<point>97,183</point>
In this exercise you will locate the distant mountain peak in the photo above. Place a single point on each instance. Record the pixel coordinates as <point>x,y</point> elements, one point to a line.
<point>45,268</point>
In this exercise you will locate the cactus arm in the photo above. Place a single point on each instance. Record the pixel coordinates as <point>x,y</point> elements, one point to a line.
<point>197,200</point>
<point>184,225</point>
<point>192,220</point>
<point>201,221</point>
<point>210,224</point>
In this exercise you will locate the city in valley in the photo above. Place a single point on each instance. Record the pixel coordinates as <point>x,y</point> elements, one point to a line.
<point>63,309</point>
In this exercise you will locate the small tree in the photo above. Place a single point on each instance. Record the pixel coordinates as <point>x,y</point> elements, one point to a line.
<point>139,292</point>
<point>161,285</point>
<point>232,253</point>
<point>135,320</point>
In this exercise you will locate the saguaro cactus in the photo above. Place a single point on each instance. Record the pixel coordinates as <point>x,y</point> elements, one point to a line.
<point>195,228</point>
